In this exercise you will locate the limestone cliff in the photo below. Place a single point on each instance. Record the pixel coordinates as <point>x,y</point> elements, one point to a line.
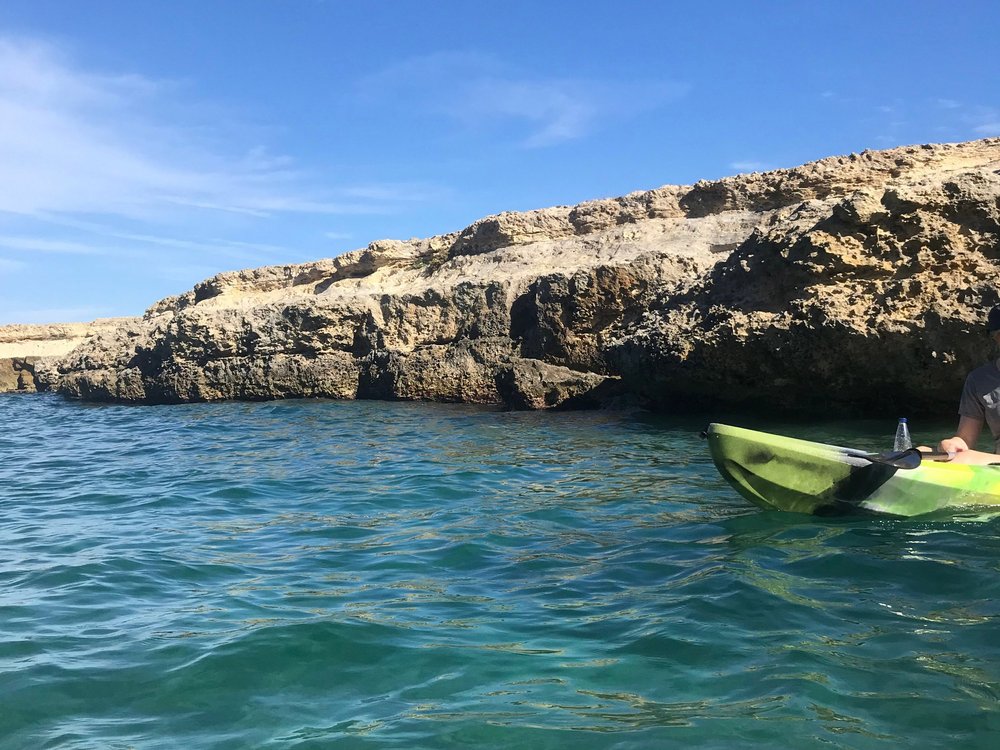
<point>854,281</point>
<point>26,348</point>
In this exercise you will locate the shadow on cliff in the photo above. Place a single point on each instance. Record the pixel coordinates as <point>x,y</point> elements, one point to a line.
<point>873,305</point>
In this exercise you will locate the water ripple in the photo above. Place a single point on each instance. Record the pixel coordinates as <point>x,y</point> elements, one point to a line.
<point>311,574</point>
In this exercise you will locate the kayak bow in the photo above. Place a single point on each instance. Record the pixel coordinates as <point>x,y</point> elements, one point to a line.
<point>782,473</point>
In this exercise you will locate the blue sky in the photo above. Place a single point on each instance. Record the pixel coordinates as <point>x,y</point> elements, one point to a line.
<point>147,145</point>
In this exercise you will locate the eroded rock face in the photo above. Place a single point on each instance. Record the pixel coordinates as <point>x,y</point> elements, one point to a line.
<point>853,282</point>
<point>875,300</point>
<point>27,351</point>
<point>17,375</point>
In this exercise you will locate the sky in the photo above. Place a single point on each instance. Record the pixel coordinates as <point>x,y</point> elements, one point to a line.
<point>147,145</point>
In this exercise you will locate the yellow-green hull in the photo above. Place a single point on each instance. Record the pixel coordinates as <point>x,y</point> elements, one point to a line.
<point>781,473</point>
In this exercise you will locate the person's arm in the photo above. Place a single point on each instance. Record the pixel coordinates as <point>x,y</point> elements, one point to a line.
<point>966,436</point>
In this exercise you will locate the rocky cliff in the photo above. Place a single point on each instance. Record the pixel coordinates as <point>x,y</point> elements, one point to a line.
<point>25,348</point>
<point>854,282</point>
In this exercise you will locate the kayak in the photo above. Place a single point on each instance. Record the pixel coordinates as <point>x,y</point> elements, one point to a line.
<point>783,473</point>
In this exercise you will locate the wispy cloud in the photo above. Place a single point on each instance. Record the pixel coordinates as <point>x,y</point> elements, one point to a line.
<point>479,91</point>
<point>947,103</point>
<point>898,121</point>
<point>750,166</point>
<point>7,265</point>
<point>974,120</point>
<point>45,245</point>
<point>406,192</point>
<point>109,240</point>
<point>77,142</point>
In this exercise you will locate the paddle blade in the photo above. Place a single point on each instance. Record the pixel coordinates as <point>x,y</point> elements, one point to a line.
<point>908,459</point>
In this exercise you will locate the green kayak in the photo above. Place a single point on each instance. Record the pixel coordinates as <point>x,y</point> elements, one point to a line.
<point>781,473</point>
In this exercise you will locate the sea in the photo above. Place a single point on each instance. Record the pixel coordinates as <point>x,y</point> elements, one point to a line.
<point>324,574</point>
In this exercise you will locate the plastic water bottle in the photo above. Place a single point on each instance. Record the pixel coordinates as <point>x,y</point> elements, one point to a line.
<point>902,441</point>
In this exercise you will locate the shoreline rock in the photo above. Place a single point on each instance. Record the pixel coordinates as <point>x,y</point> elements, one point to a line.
<point>854,283</point>
<point>17,374</point>
<point>27,349</point>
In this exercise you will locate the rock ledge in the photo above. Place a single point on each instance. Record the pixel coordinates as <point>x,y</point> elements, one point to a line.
<point>851,283</point>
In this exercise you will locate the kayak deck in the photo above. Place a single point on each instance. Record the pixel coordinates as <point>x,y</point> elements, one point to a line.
<point>789,474</point>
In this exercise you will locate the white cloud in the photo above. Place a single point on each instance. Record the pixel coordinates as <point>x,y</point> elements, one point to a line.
<point>898,122</point>
<point>46,245</point>
<point>750,166</point>
<point>394,192</point>
<point>479,91</point>
<point>52,234</point>
<point>74,142</point>
<point>8,266</point>
<point>137,245</point>
<point>556,110</point>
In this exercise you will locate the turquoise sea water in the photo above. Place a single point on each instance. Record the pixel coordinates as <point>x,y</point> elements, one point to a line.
<point>361,575</point>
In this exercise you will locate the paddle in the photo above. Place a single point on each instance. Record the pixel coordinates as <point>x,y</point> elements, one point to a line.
<point>908,459</point>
